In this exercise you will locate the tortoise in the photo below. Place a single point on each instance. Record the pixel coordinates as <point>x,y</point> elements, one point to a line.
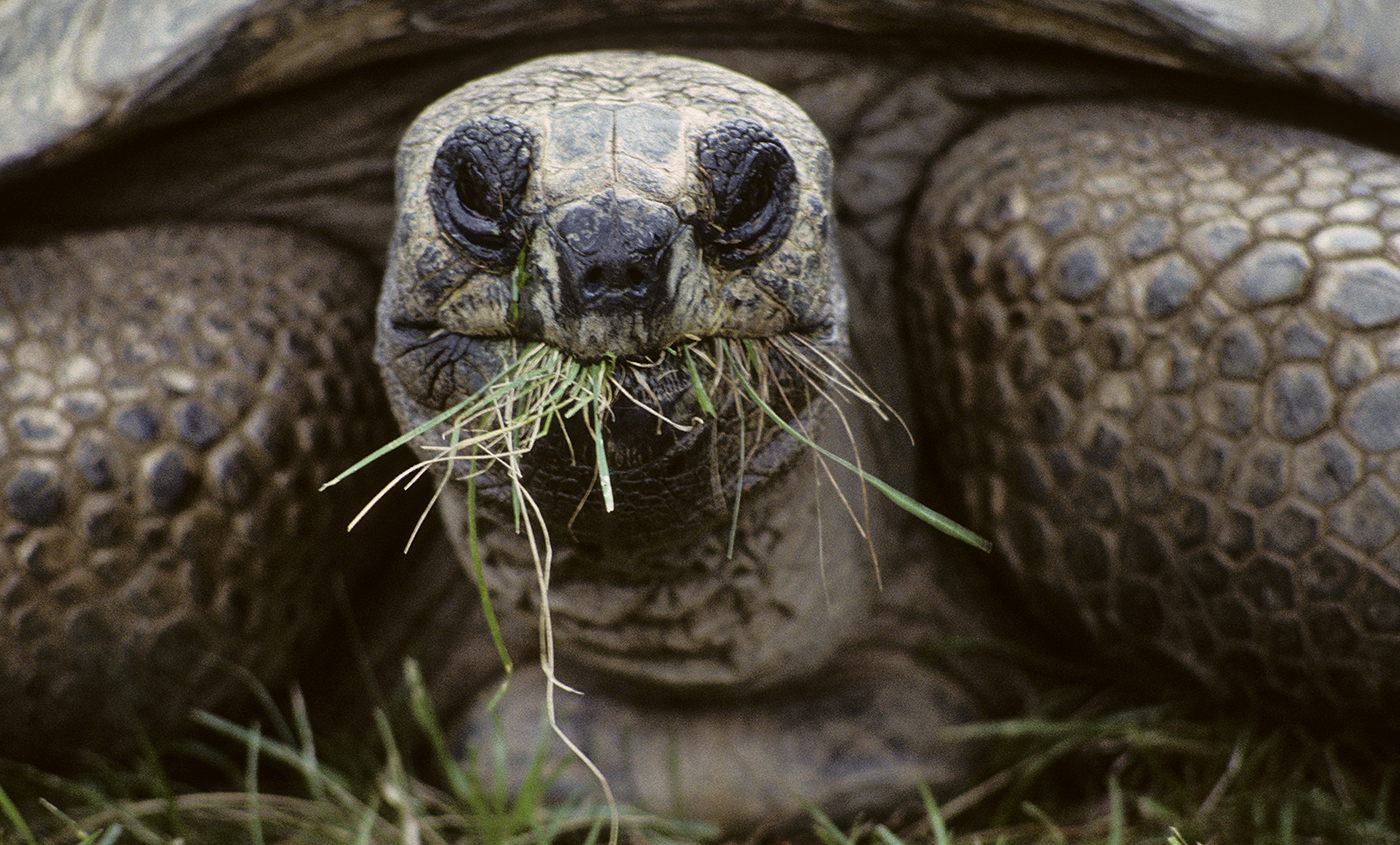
<point>1128,270</point>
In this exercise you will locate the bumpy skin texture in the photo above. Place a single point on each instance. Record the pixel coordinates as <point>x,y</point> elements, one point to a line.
<point>175,396</point>
<point>1164,342</point>
<point>621,122</point>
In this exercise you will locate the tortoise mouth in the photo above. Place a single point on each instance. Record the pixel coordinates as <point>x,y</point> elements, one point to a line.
<point>634,451</point>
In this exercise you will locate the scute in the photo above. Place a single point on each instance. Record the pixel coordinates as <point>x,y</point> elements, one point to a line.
<point>641,142</point>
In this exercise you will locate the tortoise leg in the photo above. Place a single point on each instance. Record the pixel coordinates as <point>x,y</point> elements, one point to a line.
<point>172,399</point>
<point>1162,345</point>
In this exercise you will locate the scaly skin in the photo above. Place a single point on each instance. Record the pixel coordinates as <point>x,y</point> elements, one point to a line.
<point>175,396</point>
<point>1167,338</point>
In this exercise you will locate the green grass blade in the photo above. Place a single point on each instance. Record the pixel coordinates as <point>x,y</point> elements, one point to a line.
<point>928,515</point>
<point>72,825</point>
<point>826,829</point>
<point>479,574</point>
<point>399,441</point>
<point>886,836</point>
<point>701,395</point>
<point>935,817</point>
<point>1117,816</point>
<point>601,452</point>
<point>108,837</point>
<point>335,786</point>
<point>306,740</point>
<point>738,490</point>
<point>604,475</point>
<point>1052,829</point>
<point>250,783</point>
<point>428,723</point>
<point>12,813</point>
<point>368,817</point>
<point>502,382</point>
<point>161,779</point>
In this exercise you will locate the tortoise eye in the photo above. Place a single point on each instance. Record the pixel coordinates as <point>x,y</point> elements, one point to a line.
<point>752,181</point>
<point>477,188</point>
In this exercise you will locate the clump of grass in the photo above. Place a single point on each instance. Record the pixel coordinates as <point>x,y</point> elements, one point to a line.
<point>542,387</point>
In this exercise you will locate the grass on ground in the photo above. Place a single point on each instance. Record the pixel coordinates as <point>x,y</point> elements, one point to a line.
<point>1095,766</point>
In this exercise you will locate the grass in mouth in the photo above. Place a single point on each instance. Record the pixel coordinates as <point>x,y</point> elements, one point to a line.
<point>543,387</point>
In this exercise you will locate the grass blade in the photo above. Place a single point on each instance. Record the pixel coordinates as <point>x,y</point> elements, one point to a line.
<point>400,440</point>
<point>1117,818</point>
<point>479,575</point>
<point>935,817</point>
<point>250,785</point>
<point>701,395</point>
<point>601,452</point>
<point>886,836</point>
<point>928,515</point>
<point>108,837</point>
<point>12,813</point>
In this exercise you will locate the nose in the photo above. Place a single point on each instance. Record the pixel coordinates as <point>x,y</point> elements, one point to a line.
<point>614,254</point>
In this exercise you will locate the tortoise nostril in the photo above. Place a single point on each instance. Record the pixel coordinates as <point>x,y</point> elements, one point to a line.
<point>639,279</point>
<point>593,283</point>
<point>631,283</point>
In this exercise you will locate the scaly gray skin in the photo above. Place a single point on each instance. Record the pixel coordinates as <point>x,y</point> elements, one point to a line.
<point>1195,372</point>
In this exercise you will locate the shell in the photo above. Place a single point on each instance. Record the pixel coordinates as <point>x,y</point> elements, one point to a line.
<point>75,74</point>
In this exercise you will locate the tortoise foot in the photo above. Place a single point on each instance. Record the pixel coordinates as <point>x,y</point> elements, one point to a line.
<point>863,736</point>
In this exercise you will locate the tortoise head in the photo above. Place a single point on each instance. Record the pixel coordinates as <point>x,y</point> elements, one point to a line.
<point>652,221</point>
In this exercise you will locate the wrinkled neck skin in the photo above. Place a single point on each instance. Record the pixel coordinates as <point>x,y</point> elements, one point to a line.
<point>685,617</point>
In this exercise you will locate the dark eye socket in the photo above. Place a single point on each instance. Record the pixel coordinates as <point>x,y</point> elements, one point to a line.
<point>477,188</point>
<point>752,184</point>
